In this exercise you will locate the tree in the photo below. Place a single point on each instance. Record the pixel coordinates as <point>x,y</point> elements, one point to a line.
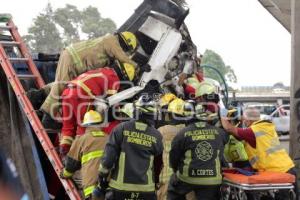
<point>94,25</point>
<point>43,35</point>
<point>52,30</point>
<point>215,60</point>
<point>69,19</point>
<point>279,85</point>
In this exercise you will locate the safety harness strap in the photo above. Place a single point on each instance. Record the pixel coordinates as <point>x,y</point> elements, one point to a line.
<point>81,83</point>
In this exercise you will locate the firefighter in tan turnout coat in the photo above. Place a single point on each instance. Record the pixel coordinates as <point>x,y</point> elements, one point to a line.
<point>86,152</point>
<point>84,56</point>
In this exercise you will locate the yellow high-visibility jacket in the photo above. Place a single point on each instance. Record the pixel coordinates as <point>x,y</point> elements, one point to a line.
<point>268,154</point>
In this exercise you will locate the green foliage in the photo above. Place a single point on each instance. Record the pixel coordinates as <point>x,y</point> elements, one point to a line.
<point>279,85</point>
<point>43,35</point>
<point>68,18</point>
<point>215,60</point>
<point>53,30</point>
<point>94,25</point>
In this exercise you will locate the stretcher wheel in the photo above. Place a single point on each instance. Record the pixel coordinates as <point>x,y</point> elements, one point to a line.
<point>242,195</point>
<point>292,195</point>
<point>225,192</point>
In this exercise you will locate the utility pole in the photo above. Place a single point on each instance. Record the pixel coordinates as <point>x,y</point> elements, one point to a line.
<point>295,85</point>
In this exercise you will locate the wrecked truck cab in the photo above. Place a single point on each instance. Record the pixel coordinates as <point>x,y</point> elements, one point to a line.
<point>169,40</point>
<point>165,45</point>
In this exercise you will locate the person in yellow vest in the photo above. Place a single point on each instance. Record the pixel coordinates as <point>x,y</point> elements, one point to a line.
<point>84,56</point>
<point>261,144</point>
<point>86,152</point>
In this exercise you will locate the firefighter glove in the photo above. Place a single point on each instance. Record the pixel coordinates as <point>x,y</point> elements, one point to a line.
<point>64,174</point>
<point>64,149</point>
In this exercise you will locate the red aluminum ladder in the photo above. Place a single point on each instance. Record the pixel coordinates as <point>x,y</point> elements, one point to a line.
<point>14,79</point>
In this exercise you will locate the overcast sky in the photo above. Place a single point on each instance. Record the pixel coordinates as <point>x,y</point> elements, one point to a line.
<point>247,37</point>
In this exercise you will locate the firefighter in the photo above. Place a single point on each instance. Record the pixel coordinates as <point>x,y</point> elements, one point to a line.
<point>123,113</point>
<point>82,91</point>
<point>191,84</point>
<point>84,56</point>
<point>176,109</point>
<point>133,156</point>
<point>86,152</point>
<point>127,111</point>
<point>262,144</point>
<point>164,101</point>
<point>207,96</point>
<point>195,157</point>
<point>207,92</point>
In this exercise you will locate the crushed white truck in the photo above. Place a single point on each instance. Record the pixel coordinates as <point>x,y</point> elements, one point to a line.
<point>165,47</point>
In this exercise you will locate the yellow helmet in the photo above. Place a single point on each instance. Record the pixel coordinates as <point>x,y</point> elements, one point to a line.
<point>127,70</point>
<point>91,118</point>
<point>128,109</point>
<point>146,105</point>
<point>166,99</point>
<point>176,106</point>
<point>192,80</point>
<point>129,39</point>
<point>202,114</point>
<point>130,70</point>
<point>181,107</point>
<point>231,112</point>
<point>205,88</point>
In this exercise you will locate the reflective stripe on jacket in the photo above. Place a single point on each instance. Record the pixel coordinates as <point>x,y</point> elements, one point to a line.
<point>85,154</point>
<point>96,53</point>
<point>129,154</point>
<point>196,154</point>
<point>103,81</point>
<point>268,154</point>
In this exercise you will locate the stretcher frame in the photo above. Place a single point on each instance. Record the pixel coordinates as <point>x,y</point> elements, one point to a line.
<point>251,187</point>
<point>237,190</point>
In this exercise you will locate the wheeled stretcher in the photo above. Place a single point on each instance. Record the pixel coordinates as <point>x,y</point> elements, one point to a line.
<point>262,185</point>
